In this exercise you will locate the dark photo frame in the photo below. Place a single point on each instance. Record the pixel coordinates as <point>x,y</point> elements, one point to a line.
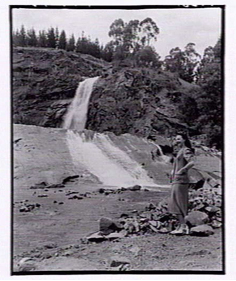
<point>41,201</point>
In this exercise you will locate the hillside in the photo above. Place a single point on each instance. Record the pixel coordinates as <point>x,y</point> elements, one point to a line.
<point>132,100</point>
<point>42,78</point>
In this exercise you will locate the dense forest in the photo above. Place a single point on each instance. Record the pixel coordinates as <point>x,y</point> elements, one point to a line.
<point>131,44</point>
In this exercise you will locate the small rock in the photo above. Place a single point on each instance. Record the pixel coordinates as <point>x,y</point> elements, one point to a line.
<point>151,206</point>
<point>26,264</point>
<point>39,185</point>
<point>135,250</point>
<point>118,261</point>
<point>58,185</point>
<point>24,209</point>
<point>96,237</point>
<point>71,192</point>
<point>202,230</point>
<point>212,210</point>
<point>164,230</point>
<point>134,188</point>
<point>70,179</point>
<point>196,218</point>
<point>147,215</point>
<point>76,197</point>
<point>153,228</point>
<point>50,246</point>
<point>216,224</point>
<point>153,223</point>
<point>42,195</point>
<point>116,235</point>
<point>60,203</point>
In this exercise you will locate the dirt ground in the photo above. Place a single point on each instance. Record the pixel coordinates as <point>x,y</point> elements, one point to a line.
<point>50,237</point>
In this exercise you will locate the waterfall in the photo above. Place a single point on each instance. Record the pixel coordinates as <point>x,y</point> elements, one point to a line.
<point>76,116</point>
<point>96,153</point>
<point>104,159</point>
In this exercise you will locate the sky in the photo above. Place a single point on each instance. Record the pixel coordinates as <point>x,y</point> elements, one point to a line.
<point>178,27</point>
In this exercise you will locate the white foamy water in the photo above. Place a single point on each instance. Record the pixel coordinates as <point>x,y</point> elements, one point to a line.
<point>76,116</point>
<point>102,158</point>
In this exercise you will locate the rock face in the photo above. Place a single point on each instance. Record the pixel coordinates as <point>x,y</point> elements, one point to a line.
<point>45,81</point>
<point>136,101</point>
<point>125,100</point>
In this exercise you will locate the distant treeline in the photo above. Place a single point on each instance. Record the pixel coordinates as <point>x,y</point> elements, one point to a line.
<point>52,38</point>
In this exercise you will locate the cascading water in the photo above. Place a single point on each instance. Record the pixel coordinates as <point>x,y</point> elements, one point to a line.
<point>76,116</point>
<point>102,158</point>
<point>98,154</point>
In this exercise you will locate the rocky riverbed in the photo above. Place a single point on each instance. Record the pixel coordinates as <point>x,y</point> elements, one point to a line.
<point>64,219</point>
<point>58,233</point>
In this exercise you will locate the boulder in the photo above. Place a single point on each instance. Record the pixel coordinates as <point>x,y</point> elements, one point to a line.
<point>202,230</point>
<point>196,218</point>
<point>107,226</point>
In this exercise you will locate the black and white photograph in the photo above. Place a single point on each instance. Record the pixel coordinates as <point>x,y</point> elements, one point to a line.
<point>117,119</point>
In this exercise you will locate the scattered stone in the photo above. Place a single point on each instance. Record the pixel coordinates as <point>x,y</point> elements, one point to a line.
<point>96,237</point>
<point>196,218</point>
<point>17,140</point>
<point>40,185</point>
<point>116,235</point>
<point>46,256</point>
<point>58,185</point>
<point>44,185</point>
<point>131,225</point>
<point>76,197</point>
<point>26,264</point>
<point>70,179</point>
<point>118,261</point>
<point>60,203</point>
<point>24,209</point>
<point>54,201</point>
<point>153,223</point>
<point>212,210</point>
<point>50,246</point>
<point>134,188</point>
<point>151,206</point>
<point>146,215</point>
<point>216,224</point>
<point>163,230</point>
<point>71,192</point>
<point>135,250</point>
<point>202,230</point>
<point>153,228</point>
<point>42,195</point>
